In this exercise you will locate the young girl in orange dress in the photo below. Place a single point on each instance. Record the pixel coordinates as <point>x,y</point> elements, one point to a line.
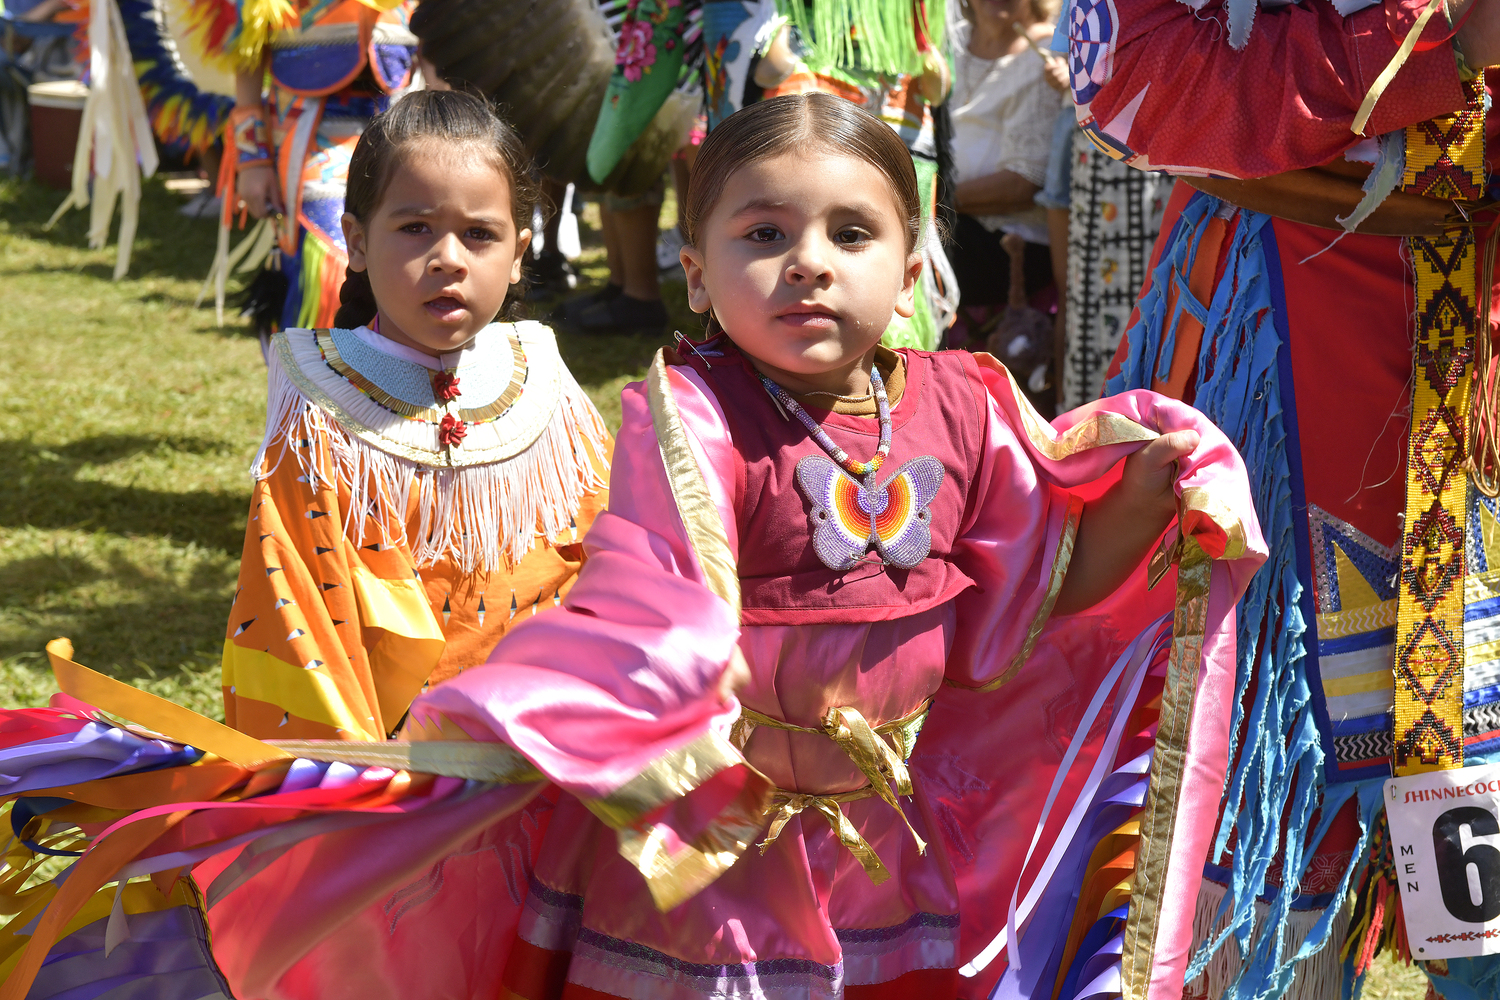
<point>860,693</point>
<point>427,474</point>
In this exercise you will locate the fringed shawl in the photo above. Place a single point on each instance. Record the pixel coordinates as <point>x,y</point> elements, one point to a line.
<point>481,503</point>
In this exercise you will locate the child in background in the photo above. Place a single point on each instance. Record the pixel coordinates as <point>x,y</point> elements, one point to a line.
<point>427,474</point>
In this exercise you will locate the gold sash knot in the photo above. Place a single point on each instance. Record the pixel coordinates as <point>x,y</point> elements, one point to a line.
<point>867,748</point>
<point>788,804</point>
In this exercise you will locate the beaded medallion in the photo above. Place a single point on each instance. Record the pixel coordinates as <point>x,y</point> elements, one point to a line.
<point>850,517</point>
<point>851,513</point>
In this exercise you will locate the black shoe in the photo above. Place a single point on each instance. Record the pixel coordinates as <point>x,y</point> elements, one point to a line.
<point>622,314</point>
<point>568,311</point>
<point>551,275</point>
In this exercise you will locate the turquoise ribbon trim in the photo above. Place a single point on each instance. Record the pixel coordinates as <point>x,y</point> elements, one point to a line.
<point>405,380</point>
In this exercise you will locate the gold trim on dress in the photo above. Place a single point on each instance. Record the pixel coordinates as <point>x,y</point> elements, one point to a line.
<point>1197,499</point>
<point>675,876</point>
<point>1159,814</point>
<point>668,777</point>
<point>1060,562</point>
<point>467,759</point>
<point>1094,431</point>
<point>700,517</point>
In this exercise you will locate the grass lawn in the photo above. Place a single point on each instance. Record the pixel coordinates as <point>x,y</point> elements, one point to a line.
<point>128,419</point>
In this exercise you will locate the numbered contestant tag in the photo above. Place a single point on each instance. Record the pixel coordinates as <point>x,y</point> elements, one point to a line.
<point>1445,838</point>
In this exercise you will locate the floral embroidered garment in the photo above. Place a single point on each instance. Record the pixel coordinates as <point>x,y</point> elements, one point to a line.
<point>927,758</point>
<point>407,509</point>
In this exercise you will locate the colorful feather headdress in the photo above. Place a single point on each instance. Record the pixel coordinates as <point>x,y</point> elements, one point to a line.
<point>185,118</point>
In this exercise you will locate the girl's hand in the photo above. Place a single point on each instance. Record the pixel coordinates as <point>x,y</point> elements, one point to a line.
<point>1149,475</point>
<point>1117,530</point>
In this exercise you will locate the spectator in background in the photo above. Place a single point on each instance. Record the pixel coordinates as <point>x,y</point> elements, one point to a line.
<point>1003,112</point>
<point>630,302</point>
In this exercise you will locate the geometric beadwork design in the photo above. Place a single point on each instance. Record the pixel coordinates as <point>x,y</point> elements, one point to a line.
<point>1377,565</point>
<point>1444,160</point>
<point>1363,746</point>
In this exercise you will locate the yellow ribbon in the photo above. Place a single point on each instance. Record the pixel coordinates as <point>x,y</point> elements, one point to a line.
<point>1367,107</point>
<point>179,724</point>
<point>789,804</point>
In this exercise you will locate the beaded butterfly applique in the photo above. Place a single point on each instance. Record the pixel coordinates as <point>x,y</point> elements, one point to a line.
<point>851,512</point>
<point>850,517</point>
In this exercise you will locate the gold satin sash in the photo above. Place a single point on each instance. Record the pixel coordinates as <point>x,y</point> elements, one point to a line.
<point>788,804</point>
<point>876,759</point>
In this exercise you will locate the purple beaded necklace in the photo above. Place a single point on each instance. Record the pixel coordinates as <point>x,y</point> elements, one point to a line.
<point>859,470</point>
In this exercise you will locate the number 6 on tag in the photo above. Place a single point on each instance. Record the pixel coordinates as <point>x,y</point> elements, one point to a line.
<point>1445,838</point>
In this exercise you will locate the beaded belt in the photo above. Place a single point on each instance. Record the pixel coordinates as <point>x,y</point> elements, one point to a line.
<point>1444,159</point>
<point>867,748</point>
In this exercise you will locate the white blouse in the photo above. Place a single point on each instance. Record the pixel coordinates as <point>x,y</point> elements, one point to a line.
<point>1003,113</point>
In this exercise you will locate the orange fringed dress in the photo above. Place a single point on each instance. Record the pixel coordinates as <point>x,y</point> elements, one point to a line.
<point>384,553</point>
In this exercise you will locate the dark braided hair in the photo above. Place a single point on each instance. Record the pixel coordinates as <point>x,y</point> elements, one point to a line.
<point>452,116</point>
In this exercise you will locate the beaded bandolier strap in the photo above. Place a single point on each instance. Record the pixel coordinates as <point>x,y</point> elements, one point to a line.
<point>1444,159</point>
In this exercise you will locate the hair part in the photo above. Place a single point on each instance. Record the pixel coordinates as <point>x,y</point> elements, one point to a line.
<point>803,123</point>
<point>421,117</point>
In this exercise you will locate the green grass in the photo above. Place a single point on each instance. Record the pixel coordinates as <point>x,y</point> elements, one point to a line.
<point>1390,980</point>
<point>128,420</point>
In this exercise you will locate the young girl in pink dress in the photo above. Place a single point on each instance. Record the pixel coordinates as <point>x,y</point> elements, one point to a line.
<point>860,692</point>
<point>815,545</point>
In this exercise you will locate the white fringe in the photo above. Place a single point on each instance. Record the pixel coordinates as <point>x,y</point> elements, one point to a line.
<point>481,517</point>
<point>1318,977</point>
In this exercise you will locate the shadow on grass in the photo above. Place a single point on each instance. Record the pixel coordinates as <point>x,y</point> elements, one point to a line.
<point>45,492</point>
<point>166,244</point>
<point>233,325</point>
<point>166,635</point>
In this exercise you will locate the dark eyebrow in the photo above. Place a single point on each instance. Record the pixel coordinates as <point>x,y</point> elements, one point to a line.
<point>758,205</point>
<point>424,211</point>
